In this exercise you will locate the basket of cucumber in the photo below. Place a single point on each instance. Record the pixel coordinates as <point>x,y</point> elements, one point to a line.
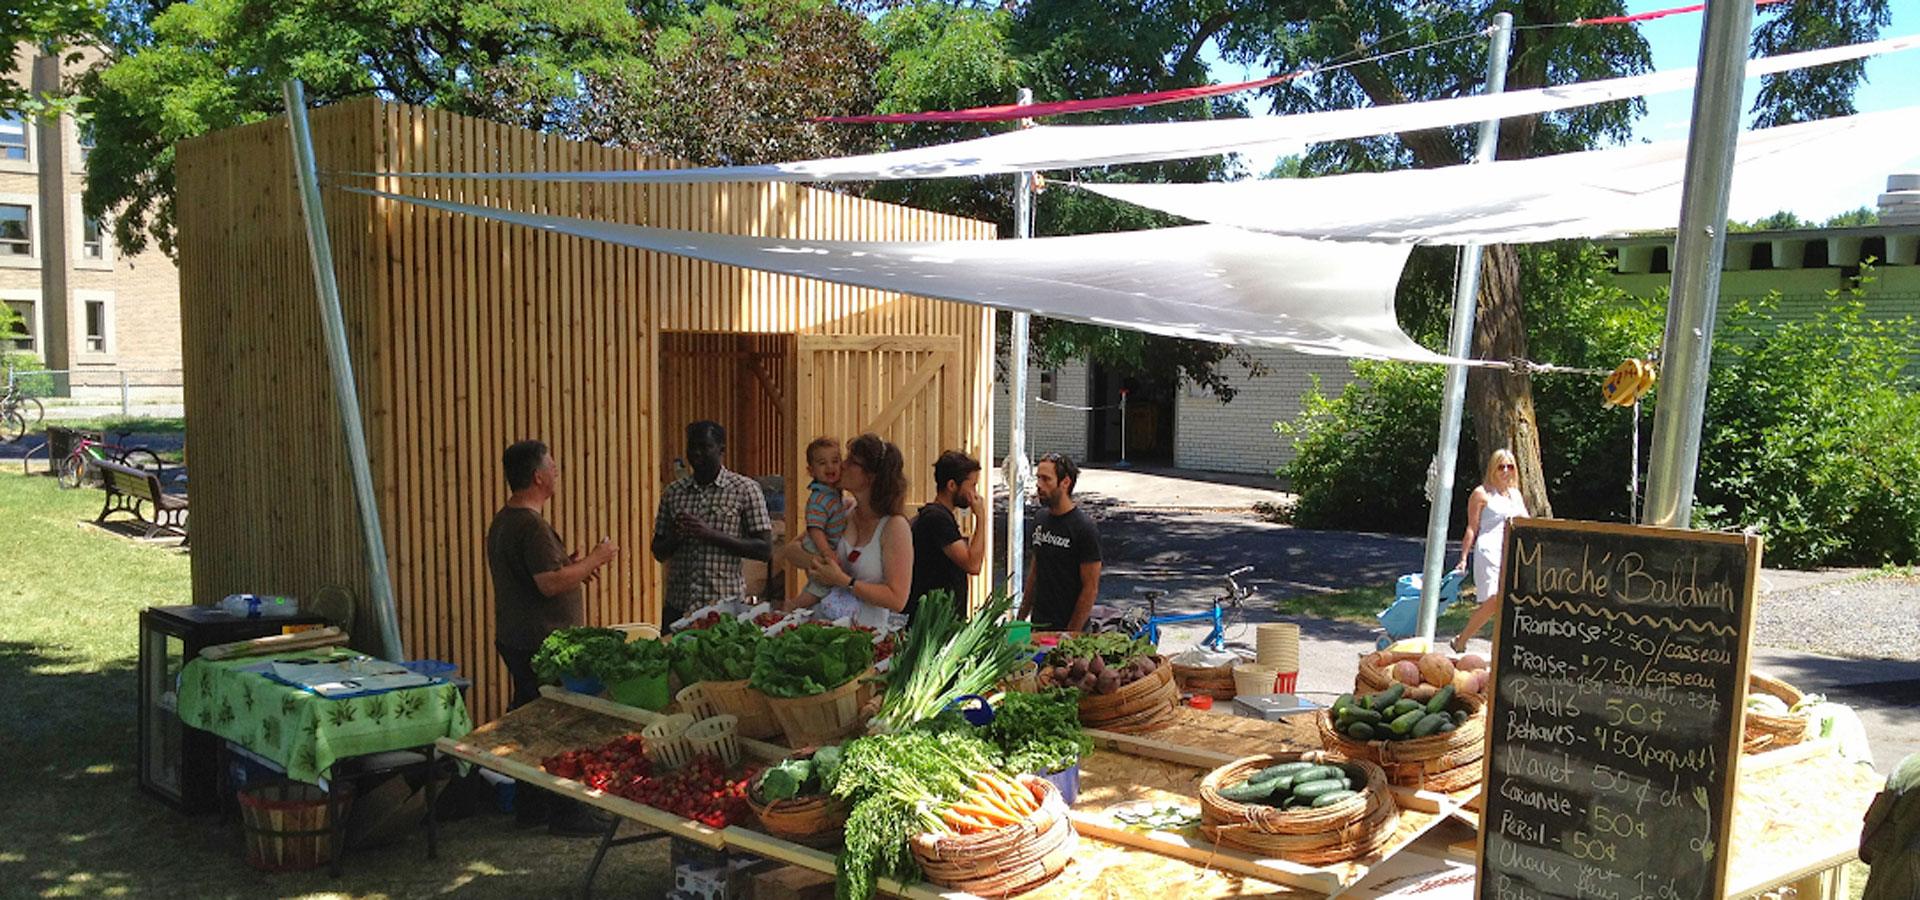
<point>1434,745</point>
<point>1767,727</point>
<point>1312,808</point>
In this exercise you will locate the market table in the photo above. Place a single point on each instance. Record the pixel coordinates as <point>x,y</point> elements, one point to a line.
<point>1776,842</point>
<point>306,734</point>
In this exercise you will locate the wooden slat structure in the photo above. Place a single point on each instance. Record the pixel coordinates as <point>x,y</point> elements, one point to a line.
<point>468,334</point>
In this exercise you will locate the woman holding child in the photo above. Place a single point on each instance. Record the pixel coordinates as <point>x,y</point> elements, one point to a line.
<point>870,572</point>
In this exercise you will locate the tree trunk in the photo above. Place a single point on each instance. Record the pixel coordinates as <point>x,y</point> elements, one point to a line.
<point>1502,401</point>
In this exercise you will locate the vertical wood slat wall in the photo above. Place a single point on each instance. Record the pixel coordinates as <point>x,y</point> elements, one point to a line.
<point>468,334</point>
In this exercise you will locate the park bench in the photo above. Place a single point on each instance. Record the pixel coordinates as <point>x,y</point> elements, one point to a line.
<point>134,491</point>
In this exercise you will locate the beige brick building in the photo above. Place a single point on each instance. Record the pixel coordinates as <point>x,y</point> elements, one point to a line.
<point>86,307</point>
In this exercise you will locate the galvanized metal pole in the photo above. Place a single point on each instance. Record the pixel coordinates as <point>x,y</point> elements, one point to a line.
<point>333,326</point>
<point>1466,302</point>
<point>1674,457</point>
<point>1017,397</point>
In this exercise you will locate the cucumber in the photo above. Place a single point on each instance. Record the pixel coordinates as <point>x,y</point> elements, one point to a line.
<point>1440,700</point>
<point>1406,706</point>
<point>1390,696</point>
<point>1460,716</point>
<point>1430,723</point>
<point>1248,792</point>
<point>1271,773</point>
<point>1316,773</point>
<point>1368,716</point>
<point>1360,731</point>
<point>1405,723</point>
<point>1313,790</point>
<point>1448,727</point>
<point>1332,797</point>
<point>1342,703</point>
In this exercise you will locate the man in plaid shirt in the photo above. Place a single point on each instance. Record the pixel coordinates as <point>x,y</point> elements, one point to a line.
<point>708,522</point>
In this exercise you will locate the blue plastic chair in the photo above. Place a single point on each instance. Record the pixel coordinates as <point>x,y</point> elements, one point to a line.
<point>1402,618</point>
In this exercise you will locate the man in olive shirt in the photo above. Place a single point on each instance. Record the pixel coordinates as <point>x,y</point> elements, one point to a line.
<point>536,591</point>
<point>942,556</point>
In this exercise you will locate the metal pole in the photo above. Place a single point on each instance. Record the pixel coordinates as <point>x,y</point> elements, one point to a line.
<point>1123,428</point>
<point>1017,428</point>
<point>126,401</point>
<point>1466,301</point>
<point>334,327</point>
<point>1674,458</point>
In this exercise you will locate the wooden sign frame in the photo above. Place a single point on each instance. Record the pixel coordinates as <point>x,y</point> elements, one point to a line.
<point>1730,743</point>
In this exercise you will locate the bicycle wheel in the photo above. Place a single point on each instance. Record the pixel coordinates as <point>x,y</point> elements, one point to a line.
<point>31,411</point>
<point>140,458</point>
<point>12,426</point>
<point>71,471</point>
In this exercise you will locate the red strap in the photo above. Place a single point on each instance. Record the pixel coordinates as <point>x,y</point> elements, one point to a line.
<point>1657,14</point>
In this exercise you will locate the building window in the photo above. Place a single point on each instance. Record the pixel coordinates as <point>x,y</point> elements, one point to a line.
<point>13,136</point>
<point>92,246</point>
<point>1050,385</point>
<point>23,335</point>
<point>84,138</point>
<point>97,326</point>
<point>16,229</point>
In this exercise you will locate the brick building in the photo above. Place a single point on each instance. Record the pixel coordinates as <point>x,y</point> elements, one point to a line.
<point>85,306</point>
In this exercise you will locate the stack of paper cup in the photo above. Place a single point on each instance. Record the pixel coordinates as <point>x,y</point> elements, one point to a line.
<point>1278,646</point>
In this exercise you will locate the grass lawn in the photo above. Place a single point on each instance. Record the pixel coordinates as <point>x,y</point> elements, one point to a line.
<point>1362,605</point>
<point>73,822</point>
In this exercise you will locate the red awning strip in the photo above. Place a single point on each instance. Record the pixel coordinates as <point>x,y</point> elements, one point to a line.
<point>1657,14</point>
<point>1032,110</point>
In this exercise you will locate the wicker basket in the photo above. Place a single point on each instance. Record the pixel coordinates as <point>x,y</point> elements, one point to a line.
<point>666,741</point>
<point>1005,861</point>
<point>1144,705</point>
<point>740,700</point>
<point>822,718</point>
<point>1355,828</point>
<point>819,821</point>
<point>693,701</point>
<point>1440,762</point>
<point>1025,679</point>
<point>718,735</point>
<point>1376,674</point>
<point>1211,681</point>
<point>1769,732</point>
<point>289,825</point>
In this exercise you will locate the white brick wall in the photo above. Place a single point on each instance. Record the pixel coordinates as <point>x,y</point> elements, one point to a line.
<point>1050,429</point>
<point>1239,436</point>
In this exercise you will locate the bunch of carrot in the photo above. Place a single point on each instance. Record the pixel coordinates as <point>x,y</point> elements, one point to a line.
<point>995,801</point>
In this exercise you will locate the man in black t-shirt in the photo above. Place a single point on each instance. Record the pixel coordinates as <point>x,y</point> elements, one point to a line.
<point>942,557</point>
<point>1063,568</point>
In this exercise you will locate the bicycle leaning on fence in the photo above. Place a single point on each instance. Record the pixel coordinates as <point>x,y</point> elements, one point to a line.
<point>1230,604</point>
<point>79,466</point>
<point>18,413</point>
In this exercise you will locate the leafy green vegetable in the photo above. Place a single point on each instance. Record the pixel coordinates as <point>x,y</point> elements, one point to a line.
<point>786,779</point>
<point>894,785</point>
<point>723,652</point>
<point>1039,733</point>
<point>945,656</point>
<point>644,658</point>
<point>581,652</point>
<point>811,659</point>
<point>1116,649</point>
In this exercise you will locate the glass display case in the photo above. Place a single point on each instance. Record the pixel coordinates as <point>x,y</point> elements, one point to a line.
<point>179,764</point>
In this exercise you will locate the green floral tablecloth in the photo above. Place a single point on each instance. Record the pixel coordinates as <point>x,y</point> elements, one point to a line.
<point>305,732</point>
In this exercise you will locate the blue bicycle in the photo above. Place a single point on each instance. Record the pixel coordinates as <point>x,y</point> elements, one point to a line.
<point>1146,623</point>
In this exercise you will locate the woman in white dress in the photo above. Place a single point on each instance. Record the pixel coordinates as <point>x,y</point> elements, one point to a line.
<point>1496,500</point>
<point>872,570</point>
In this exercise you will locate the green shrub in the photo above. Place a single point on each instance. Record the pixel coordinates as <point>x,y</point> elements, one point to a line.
<point>1362,463</point>
<point>23,366</point>
<point>1812,436</point>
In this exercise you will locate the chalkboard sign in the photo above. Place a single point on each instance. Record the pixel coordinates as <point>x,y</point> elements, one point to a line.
<point>1620,675</point>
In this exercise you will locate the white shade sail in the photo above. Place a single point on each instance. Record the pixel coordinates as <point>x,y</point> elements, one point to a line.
<point>1589,194</point>
<point>1208,282</point>
<point>1052,147</point>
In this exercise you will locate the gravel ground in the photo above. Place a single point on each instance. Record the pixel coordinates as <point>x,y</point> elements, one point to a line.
<point>1876,617</point>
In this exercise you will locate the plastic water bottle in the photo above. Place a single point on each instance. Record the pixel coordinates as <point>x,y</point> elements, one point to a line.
<point>254,606</point>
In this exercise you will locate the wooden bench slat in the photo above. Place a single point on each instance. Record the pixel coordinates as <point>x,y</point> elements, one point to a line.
<point>128,489</point>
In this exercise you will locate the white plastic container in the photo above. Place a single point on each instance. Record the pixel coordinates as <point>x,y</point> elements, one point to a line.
<point>257,606</point>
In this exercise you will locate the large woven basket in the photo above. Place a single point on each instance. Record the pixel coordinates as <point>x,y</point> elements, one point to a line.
<point>1355,828</point>
<point>1005,861</point>
<point>822,718</point>
<point>818,821</point>
<point>740,700</point>
<point>1144,705</point>
<point>1770,732</point>
<point>1211,681</point>
<point>1440,762</point>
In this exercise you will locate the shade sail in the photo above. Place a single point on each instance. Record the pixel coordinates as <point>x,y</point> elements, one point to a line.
<point>1053,147</point>
<point>1207,282</point>
<point>1600,192</point>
